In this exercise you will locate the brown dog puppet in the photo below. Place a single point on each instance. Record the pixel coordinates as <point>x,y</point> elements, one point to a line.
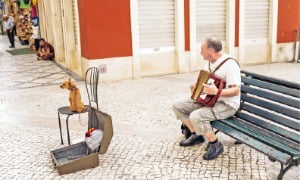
<point>76,104</point>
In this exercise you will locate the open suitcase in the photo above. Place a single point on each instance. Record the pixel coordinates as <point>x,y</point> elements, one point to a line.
<point>77,156</point>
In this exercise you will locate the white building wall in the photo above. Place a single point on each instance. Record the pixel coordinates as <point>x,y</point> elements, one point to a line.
<point>158,36</point>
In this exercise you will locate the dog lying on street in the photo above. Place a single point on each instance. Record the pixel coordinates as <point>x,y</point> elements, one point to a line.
<point>76,105</point>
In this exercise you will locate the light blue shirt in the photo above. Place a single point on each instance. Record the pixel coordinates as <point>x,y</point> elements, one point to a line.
<point>9,24</point>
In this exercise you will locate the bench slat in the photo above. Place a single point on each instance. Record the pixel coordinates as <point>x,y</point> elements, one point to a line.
<point>278,118</point>
<point>252,142</point>
<point>272,96</point>
<point>270,86</point>
<point>254,120</point>
<point>263,135</point>
<point>271,106</point>
<point>272,80</point>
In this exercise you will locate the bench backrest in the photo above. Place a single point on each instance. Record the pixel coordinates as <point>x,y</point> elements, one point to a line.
<point>272,105</point>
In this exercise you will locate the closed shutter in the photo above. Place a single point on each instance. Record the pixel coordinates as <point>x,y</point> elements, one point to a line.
<point>210,19</point>
<point>257,19</point>
<point>75,20</point>
<point>156,23</point>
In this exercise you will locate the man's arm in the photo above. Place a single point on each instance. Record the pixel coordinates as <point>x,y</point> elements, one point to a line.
<point>47,51</point>
<point>233,79</point>
<point>233,90</point>
<point>41,51</point>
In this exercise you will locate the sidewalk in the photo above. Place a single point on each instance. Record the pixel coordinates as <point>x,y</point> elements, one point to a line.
<point>23,71</point>
<point>146,132</point>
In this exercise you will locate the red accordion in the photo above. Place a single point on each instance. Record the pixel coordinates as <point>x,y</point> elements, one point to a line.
<point>208,78</point>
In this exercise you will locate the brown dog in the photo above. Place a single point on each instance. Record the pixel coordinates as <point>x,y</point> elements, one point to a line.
<point>76,104</point>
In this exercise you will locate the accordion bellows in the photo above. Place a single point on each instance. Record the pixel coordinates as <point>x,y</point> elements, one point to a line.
<point>206,77</point>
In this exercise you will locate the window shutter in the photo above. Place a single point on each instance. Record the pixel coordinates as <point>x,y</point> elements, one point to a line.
<point>210,19</point>
<point>156,23</point>
<point>257,19</point>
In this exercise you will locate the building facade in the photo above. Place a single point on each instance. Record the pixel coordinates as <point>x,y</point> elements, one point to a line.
<point>137,38</point>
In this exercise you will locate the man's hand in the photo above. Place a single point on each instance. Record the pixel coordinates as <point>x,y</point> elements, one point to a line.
<point>210,89</point>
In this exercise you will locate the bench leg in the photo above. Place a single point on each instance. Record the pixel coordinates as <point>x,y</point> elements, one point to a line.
<point>283,170</point>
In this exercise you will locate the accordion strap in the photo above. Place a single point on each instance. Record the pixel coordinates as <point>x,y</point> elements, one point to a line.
<point>219,64</point>
<point>222,85</point>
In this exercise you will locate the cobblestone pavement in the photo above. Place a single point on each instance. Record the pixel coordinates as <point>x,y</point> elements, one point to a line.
<point>22,71</point>
<point>146,134</point>
<point>129,157</point>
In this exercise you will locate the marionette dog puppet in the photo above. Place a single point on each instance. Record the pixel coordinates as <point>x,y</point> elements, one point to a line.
<point>76,105</point>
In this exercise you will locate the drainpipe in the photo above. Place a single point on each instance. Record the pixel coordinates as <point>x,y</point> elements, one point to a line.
<point>297,46</point>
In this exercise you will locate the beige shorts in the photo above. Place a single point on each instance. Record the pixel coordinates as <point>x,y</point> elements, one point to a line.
<point>200,116</point>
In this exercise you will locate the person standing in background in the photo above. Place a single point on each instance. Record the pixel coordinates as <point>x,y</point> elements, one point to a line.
<point>35,37</point>
<point>8,27</point>
<point>14,19</point>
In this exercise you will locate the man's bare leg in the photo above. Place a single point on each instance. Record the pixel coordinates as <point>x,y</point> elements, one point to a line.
<point>193,139</point>
<point>211,136</point>
<point>188,124</point>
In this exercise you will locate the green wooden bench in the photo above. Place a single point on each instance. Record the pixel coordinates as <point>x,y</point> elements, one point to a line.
<point>268,119</point>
